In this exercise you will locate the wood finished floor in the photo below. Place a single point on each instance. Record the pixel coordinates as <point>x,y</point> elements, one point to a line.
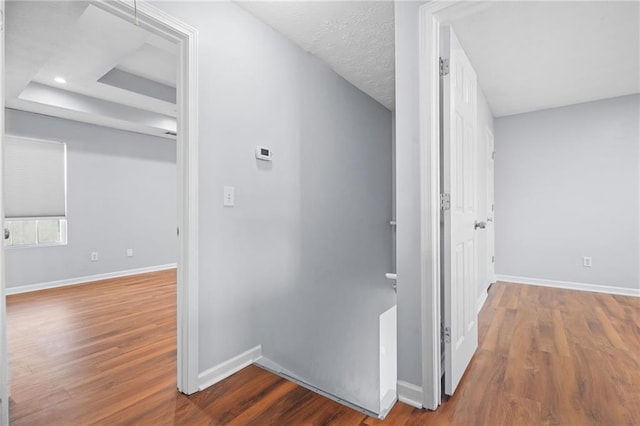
<point>104,353</point>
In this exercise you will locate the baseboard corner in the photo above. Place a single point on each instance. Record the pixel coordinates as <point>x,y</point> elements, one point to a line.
<point>410,394</point>
<point>387,403</point>
<point>225,369</point>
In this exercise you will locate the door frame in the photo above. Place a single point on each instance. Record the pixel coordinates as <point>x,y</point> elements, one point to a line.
<point>186,37</point>
<point>4,361</point>
<point>432,16</point>
<point>164,25</point>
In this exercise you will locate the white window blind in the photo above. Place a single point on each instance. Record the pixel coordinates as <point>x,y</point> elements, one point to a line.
<point>34,178</point>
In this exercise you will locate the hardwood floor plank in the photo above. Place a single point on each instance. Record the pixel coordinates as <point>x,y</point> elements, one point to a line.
<point>490,341</point>
<point>286,409</point>
<point>254,411</point>
<point>517,411</point>
<point>510,297</point>
<point>559,334</point>
<point>609,329</point>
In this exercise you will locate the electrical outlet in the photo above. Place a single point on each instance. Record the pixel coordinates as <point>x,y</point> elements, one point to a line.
<point>94,256</point>
<point>129,252</point>
<point>586,262</point>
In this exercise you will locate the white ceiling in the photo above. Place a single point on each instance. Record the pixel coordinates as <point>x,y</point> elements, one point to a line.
<point>81,43</point>
<point>355,38</point>
<point>537,55</point>
<point>150,61</point>
<point>529,55</point>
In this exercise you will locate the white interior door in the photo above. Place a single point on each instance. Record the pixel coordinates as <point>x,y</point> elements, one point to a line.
<point>491,244</point>
<point>4,364</point>
<point>459,239</point>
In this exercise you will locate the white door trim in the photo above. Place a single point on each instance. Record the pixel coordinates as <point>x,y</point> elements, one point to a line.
<point>159,22</point>
<point>4,353</point>
<point>432,15</point>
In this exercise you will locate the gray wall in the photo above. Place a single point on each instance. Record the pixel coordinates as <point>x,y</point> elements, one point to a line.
<point>121,193</point>
<point>408,194</point>
<point>327,330</point>
<point>567,186</point>
<point>298,264</point>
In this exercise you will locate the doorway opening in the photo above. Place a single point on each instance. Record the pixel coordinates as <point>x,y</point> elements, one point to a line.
<point>449,165</point>
<point>168,31</point>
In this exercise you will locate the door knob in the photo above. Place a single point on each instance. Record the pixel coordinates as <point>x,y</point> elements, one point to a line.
<point>490,219</point>
<point>7,233</point>
<point>481,225</point>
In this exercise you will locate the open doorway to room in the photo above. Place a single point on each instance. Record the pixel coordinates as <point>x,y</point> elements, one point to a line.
<point>104,201</point>
<point>550,129</point>
<point>97,124</point>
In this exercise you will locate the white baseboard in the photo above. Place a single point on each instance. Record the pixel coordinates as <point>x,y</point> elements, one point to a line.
<point>387,403</point>
<point>87,279</point>
<point>410,394</point>
<point>227,368</point>
<point>482,299</point>
<point>570,285</point>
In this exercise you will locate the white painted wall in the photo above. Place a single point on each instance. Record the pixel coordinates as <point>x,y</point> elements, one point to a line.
<point>121,193</point>
<point>298,265</point>
<point>567,186</point>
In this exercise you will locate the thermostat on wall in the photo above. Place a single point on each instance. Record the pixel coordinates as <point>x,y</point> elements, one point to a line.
<point>263,153</point>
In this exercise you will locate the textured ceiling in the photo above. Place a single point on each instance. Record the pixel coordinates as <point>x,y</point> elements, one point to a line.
<point>356,39</point>
<point>536,55</point>
<point>528,55</point>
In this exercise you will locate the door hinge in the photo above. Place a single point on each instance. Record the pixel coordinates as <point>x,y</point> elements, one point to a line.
<point>445,201</point>
<point>493,155</point>
<point>446,335</point>
<point>178,231</point>
<point>493,259</point>
<point>444,67</point>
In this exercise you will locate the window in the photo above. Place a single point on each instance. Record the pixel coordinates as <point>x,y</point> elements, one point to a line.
<point>36,232</point>
<point>35,179</point>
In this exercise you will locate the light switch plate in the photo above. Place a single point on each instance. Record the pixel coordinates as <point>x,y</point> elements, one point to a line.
<point>229,196</point>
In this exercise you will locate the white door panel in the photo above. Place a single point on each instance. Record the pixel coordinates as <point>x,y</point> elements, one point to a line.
<point>459,239</point>
<point>491,249</point>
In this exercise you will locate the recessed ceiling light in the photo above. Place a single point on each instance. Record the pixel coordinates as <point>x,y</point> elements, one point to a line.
<point>60,80</point>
